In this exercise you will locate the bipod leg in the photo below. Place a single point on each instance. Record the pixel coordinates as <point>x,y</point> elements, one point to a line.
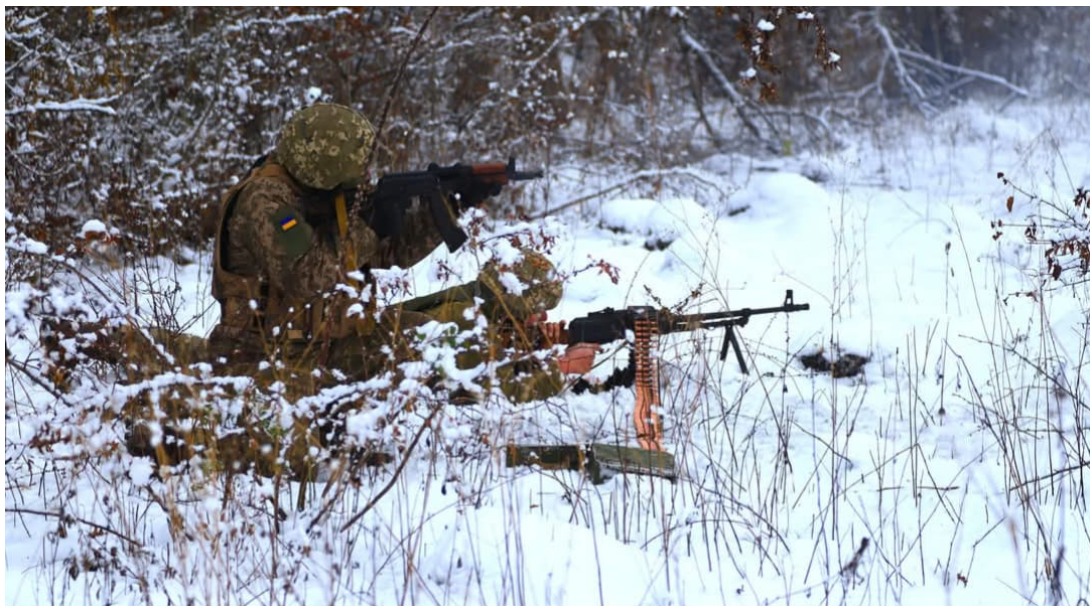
<point>732,339</point>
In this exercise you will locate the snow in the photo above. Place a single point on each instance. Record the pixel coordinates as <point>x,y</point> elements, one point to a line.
<point>932,455</point>
<point>511,283</point>
<point>765,26</point>
<point>91,227</point>
<point>27,244</point>
<point>141,471</point>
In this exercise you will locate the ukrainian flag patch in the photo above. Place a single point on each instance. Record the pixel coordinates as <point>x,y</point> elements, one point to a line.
<point>292,234</point>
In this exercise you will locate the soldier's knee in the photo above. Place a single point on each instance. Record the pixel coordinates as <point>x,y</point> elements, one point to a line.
<point>525,381</point>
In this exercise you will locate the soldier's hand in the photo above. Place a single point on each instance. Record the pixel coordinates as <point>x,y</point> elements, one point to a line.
<point>551,332</point>
<point>579,358</point>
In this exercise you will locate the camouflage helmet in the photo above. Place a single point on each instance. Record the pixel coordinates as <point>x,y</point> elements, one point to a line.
<point>541,289</point>
<point>325,146</point>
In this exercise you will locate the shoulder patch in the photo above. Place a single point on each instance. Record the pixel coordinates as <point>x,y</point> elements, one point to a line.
<point>291,232</point>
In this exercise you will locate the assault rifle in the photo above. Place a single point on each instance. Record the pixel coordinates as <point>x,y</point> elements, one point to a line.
<point>447,191</point>
<point>647,323</point>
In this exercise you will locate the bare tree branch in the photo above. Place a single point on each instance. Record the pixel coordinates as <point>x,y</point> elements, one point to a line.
<point>71,518</point>
<point>724,83</point>
<point>75,105</point>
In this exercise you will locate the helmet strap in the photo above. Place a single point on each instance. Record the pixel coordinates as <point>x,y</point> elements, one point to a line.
<point>342,224</point>
<point>365,325</point>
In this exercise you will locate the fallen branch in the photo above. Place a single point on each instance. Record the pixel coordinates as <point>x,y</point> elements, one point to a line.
<point>1058,472</point>
<point>583,199</point>
<point>927,67</point>
<point>336,499</point>
<point>965,71</point>
<point>267,22</point>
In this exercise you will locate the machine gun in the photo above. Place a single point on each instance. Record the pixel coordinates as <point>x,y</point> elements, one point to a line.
<point>647,323</point>
<point>447,191</point>
<point>608,325</point>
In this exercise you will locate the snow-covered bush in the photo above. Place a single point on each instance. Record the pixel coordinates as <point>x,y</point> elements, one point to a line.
<point>138,472</point>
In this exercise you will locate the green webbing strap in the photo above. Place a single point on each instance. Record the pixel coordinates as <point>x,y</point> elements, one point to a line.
<point>459,293</point>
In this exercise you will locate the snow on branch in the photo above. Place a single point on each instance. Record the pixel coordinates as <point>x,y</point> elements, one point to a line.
<point>289,20</point>
<point>75,105</point>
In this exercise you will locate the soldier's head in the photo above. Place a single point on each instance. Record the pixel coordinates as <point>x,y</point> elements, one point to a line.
<point>541,290</point>
<point>325,146</point>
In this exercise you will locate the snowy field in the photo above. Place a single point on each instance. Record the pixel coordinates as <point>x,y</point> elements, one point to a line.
<point>952,470</point>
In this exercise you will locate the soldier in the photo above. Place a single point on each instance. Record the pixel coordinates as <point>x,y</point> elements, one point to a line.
<point>286,241</point>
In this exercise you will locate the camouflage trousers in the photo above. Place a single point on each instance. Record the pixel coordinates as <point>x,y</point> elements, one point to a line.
<point>386,347</point>
<point>506,295</point>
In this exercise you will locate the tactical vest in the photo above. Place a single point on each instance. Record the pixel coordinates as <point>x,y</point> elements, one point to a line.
<point>254,315</point>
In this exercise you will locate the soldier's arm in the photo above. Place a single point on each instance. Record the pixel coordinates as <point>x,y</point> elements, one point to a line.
<point>295,257</point>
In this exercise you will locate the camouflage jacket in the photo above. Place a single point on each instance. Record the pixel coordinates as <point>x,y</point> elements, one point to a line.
<point>279,253</point>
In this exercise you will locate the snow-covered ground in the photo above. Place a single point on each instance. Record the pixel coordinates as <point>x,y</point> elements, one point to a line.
<point>950,471</point>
